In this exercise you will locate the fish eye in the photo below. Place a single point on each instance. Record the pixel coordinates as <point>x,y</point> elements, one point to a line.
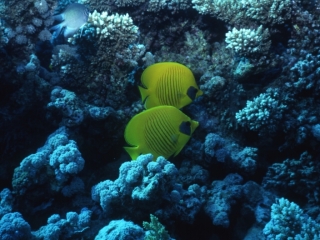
<point>185,128</point>
<point>192,93</point>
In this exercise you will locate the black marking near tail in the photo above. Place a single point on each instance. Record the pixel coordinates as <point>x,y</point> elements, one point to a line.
<point>185,128</point>
<point>192,92</point>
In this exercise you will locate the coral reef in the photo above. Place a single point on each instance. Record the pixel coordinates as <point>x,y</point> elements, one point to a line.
<point>70,76</point>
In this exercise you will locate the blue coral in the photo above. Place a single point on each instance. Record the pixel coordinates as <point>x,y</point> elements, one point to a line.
<point>221,196</point>
<point>263,111</point>
<point>6,201</point>
<point>141,181</point>
<point>59,153</point>
<point>58,228</point>
<point>14,227</point>
<point>121,229</point>
<point>289,222</point>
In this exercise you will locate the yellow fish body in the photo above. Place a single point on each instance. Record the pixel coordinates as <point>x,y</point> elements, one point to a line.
<point>168,83</point>
<point>162,131</point>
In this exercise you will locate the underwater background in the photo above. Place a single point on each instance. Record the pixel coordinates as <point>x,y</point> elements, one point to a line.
<point>70,73</point>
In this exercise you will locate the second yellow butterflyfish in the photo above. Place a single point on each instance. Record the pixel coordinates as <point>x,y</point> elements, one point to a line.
<point>162,131</point>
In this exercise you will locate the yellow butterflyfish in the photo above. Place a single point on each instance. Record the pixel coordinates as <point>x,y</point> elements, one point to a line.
<point>162,131</point>
<point>168,83</point>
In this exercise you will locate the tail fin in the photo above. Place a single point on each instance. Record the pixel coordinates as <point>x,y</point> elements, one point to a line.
<point>144,95</point>
<point>133,152</point>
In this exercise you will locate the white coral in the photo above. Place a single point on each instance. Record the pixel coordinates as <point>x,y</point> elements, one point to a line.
<point>246,42</point>
<point>115,28</point>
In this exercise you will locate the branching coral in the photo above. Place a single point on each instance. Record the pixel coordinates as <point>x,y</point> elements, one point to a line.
<point>234,11</point>
<point>289,222</point>
<point>264,111</point>
<point>114,28</point>
<point>247,42</point>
